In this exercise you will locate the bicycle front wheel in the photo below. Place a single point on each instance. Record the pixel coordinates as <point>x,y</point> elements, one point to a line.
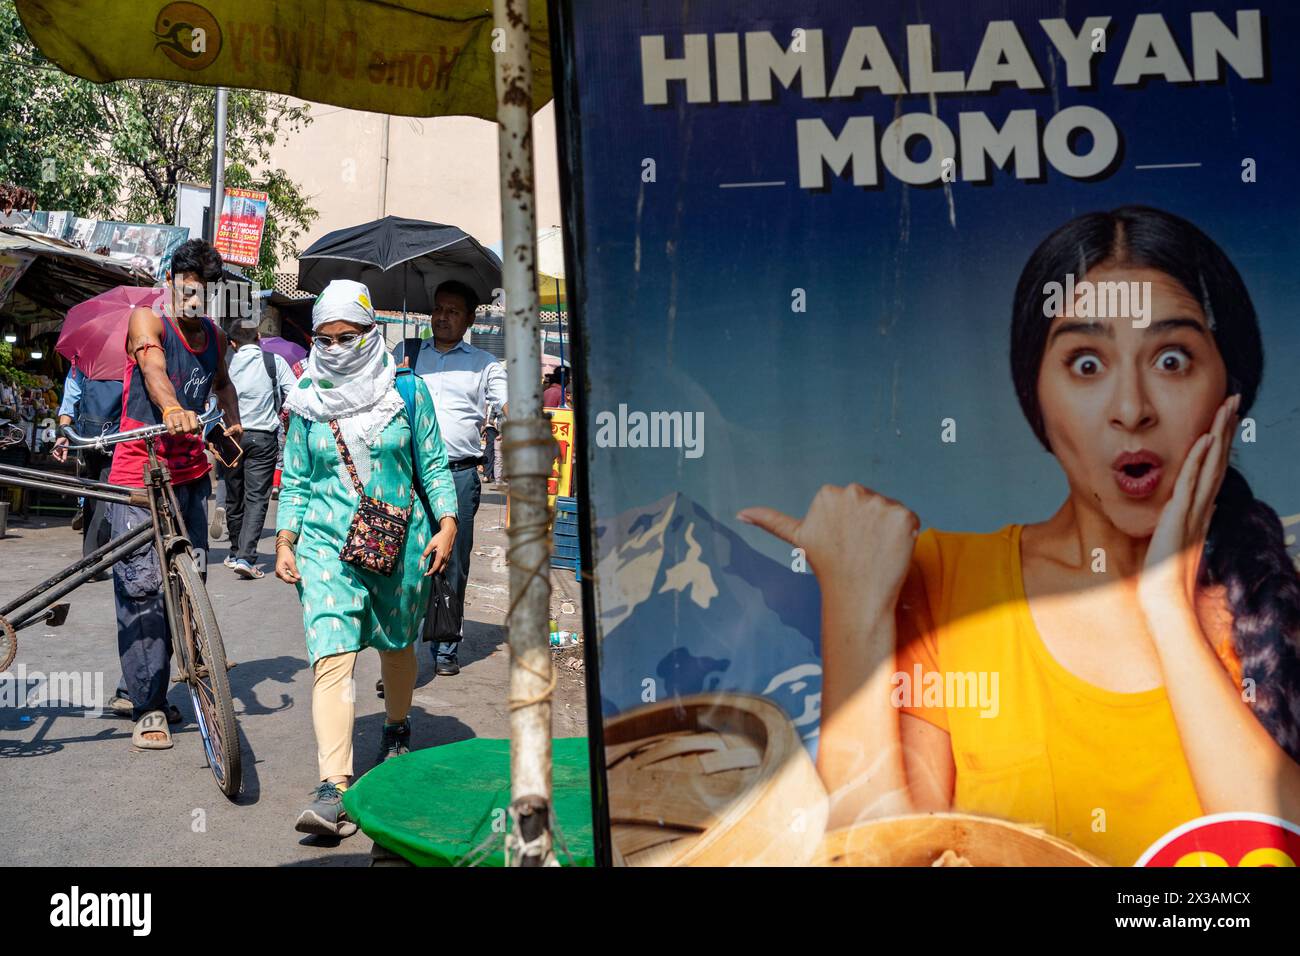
<point>205,667</point>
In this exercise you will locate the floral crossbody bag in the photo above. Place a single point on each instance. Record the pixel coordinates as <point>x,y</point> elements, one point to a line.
<point>378,529</point>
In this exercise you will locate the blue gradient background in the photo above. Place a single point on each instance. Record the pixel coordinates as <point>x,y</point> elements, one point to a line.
<point>688,286</point>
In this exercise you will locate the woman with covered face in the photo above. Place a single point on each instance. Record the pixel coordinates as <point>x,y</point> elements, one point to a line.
<point>347,400</point>
<point>1143,638</point>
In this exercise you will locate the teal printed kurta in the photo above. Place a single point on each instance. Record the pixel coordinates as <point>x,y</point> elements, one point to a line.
<point>346,608</point>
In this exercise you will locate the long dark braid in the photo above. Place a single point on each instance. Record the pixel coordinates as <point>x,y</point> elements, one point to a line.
<point>1245,552</point>
<point>1245,549</point>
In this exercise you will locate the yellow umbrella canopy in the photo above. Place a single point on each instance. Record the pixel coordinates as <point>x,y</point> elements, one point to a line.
<point>413,58</point>
<point>550,290</point>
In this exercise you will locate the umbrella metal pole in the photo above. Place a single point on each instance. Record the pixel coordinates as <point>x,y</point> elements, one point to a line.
<point>559,326</point>
<point>528,450</point>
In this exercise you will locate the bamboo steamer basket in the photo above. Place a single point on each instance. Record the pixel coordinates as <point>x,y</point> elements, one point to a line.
<point>711,780</point>
<point>921,839</point>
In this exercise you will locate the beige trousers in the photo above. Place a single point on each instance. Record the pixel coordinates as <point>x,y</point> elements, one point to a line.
<point>334,698</point>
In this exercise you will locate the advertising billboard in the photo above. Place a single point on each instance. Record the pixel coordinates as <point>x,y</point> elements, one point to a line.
<point>144,246</point>
<point>944,513</point>
<point>239,232</point>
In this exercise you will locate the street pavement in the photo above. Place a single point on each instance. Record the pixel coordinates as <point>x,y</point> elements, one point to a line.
<point>73,791</point>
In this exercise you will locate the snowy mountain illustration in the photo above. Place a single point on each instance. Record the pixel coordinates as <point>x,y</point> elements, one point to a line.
<point>686,606</point>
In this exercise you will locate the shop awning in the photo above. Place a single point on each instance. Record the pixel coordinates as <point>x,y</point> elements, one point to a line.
<point>59,277</point>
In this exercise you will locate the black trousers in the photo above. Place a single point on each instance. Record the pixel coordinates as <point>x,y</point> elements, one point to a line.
<point>248,492</point>
<point>489,454</point>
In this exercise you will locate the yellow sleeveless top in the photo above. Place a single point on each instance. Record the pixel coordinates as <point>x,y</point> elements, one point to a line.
<point>1102,769</point>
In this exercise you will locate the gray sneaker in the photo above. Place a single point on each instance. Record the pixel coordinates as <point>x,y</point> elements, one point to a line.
<point>325,815</point>
<point>217,526</point>
<point>247,571</point>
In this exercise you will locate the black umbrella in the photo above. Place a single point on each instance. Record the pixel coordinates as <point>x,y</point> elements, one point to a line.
<point>401,261</point>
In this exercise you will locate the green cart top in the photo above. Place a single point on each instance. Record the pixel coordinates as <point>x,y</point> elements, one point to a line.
<point>446,805</point>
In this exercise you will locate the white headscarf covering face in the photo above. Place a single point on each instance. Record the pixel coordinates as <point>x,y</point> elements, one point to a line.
<point>352,384</point>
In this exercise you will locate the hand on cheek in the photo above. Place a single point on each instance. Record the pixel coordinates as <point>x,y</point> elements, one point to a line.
<point>1174,554</point>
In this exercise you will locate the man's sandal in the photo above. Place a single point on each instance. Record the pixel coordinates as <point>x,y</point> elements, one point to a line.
<point>122,707</point>
<point>154,722</point>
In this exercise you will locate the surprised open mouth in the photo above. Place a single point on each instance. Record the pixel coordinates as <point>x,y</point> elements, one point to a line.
<point>1138,473</point>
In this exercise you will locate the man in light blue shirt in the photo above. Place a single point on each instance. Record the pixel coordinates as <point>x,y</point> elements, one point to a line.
<point>92,407</point>
<point>71,396</point>
<point>261,379</point>
<point>464,381</point>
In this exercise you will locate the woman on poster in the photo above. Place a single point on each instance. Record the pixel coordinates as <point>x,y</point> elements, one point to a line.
<point>1143,638</point>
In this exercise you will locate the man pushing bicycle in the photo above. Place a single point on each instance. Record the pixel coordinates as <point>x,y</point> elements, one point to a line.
<point>175,360</point>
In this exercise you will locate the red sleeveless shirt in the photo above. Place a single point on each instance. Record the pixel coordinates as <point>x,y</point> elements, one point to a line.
<point>191,375</point>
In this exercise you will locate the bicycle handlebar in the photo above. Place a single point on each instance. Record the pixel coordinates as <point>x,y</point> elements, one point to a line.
<point>148,431</point>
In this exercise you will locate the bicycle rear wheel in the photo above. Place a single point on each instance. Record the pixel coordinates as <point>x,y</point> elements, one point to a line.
<point>8,644</point>
<point>205,665</point>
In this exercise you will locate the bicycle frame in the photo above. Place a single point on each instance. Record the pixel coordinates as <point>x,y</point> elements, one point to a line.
<point>170,538</point>
<point>197,651</point>
<point>166,527</point>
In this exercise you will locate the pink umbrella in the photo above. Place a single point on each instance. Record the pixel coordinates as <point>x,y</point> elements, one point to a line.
<point>94,333</point>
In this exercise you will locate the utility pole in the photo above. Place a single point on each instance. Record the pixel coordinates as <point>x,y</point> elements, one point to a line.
<point>383,206</point>
<point>218,196</point>
<point>383,169</point>
<point>529,450</point>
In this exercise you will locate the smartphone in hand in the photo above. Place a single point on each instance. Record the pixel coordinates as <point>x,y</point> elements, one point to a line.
<point>226,449</point>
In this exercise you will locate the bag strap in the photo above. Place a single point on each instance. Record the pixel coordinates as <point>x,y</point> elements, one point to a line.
<point>411,350</point>
<point>405,385</point>
<point>268,362</point>
<point>347,457</point>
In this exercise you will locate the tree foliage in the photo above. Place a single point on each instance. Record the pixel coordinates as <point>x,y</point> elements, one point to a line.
<point>121,150</point>
<point>51,128</point>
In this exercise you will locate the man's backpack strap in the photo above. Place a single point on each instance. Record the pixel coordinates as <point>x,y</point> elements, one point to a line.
<point>405,385</point>
<point>411,349</point>
<point>268,362</point>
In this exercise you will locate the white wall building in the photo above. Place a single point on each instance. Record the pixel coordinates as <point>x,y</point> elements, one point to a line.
<point>442,169</point>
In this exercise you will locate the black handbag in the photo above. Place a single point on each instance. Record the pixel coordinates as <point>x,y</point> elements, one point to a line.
<point>442,623</point>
